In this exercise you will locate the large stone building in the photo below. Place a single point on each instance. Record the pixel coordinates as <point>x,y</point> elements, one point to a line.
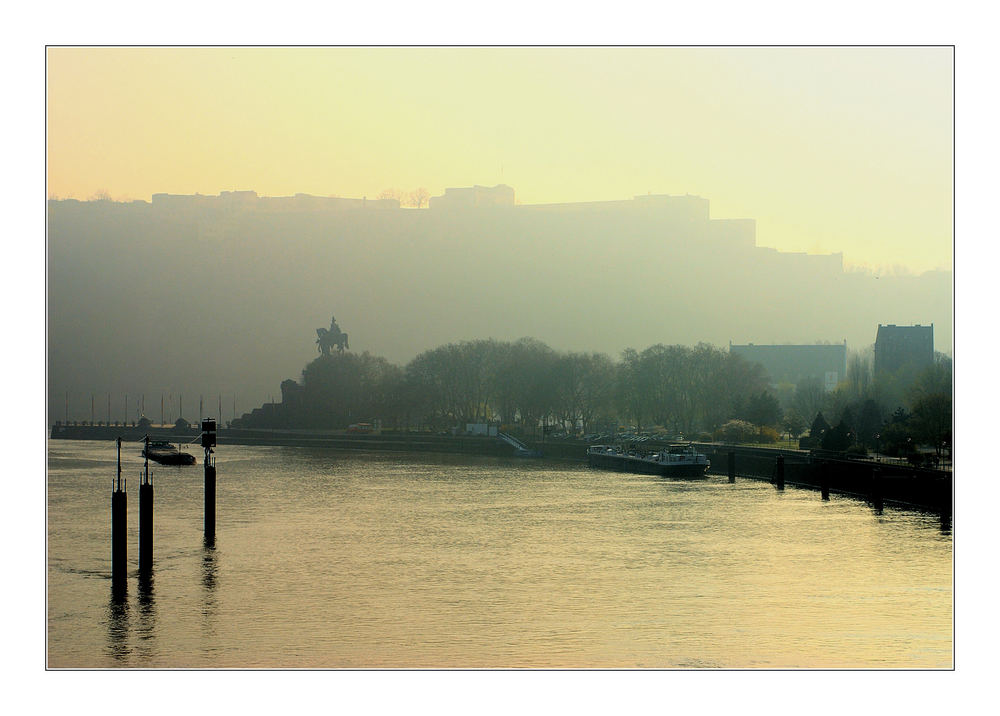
<point>589,276</point>
<point>792,363</point>
<point>249,201</point>
<point>473,196</point>
<point>896,346</point>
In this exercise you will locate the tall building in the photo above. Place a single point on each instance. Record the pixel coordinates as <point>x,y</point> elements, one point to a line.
<point>792,363</point>
<point>473,196</point>
<point>896,346</point>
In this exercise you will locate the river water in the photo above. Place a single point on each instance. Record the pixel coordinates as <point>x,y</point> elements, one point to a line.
<point>328,559</point>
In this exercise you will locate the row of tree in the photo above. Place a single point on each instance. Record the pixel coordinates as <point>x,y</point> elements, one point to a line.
<point>701,391</point>
<point>892,413</point>
<point>526,383</point>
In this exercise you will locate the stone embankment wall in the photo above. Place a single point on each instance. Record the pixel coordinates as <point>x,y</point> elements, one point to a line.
<point>390,441</point>
<point>929,489</point>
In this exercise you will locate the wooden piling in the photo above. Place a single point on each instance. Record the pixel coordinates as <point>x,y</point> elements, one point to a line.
<point>119,530</point>
<point>209,503</point>
<point>146,519</point>
<point>779,472</point>
<point>824,479</point>
<point>732,466</point>
<point>208,441</point>
<point>146,527</point>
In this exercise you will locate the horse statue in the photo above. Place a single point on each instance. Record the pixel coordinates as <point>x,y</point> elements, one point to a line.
<point>328,338</point>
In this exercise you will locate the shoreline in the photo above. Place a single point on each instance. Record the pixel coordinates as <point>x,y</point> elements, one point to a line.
<point>875,482</point>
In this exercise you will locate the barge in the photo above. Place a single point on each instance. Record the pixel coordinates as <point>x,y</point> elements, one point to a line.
<point>672,461</point>
<point>166,454</point>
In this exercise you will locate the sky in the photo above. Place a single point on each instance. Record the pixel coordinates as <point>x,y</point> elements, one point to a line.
<point>830,149</point>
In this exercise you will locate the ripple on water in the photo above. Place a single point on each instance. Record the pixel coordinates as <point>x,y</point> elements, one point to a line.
<point>327,559</point>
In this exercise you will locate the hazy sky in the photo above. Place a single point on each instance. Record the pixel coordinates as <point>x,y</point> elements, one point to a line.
<point>830,149</point>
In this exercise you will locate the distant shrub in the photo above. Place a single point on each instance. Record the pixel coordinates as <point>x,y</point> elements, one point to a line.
<point>736,431</point>
<point>767,434</point>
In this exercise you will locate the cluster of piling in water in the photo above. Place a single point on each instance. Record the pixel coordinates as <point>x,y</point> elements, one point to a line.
<point>119,515</point>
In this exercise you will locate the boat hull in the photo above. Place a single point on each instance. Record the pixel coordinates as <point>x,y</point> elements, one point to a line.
<point>176,458</point>
<point>629,463</point>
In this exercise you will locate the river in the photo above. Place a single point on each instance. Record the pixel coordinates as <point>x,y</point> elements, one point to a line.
<point>327,559</point>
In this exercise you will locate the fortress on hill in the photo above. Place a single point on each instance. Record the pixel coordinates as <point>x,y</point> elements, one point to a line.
<point>679,217</point>
<point>139,292</point>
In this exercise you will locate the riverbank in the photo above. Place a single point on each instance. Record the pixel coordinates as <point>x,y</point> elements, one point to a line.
<point>871,480</point>
<point>400,441</point>
<point>864,479</point>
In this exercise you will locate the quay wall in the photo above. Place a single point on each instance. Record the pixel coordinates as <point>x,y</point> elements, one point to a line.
<point>394,441</point>
<point>901,484</point>
<point>862,478</point>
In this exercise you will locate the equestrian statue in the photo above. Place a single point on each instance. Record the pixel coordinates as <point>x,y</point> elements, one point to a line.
<point>327,339</point>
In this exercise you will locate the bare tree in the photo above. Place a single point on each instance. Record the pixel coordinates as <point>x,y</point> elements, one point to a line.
<point>419,197</point>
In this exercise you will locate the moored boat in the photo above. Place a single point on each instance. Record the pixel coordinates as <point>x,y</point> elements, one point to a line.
<point>166,454</point>
<point>672,461</point>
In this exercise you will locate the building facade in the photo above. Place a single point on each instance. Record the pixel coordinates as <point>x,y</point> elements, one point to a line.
<point>896,346</point>
<point>473,196</point>
<point>792,363</point>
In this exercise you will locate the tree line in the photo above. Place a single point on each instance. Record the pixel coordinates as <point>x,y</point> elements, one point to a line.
<point>892,412</point>
<point>701,392</point>
<point>529,386</point>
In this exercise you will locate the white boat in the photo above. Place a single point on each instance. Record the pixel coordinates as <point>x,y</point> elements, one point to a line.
<point>672,461</point>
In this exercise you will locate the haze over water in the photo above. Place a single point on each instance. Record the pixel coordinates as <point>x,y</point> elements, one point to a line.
<point>328,559</point>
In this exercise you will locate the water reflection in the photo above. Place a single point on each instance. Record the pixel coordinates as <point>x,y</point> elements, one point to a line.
<point>946,523</point>
<point>118,623</point>
<point>209,579</point>
<point>209,570</point>
<point>416,564</point>
<point>119,588</point>
<point>146,627</point>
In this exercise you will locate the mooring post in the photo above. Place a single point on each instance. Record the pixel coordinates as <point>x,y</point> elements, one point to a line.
<point>824,479</point>
<point>732,466</point>
<point>876,489</point>
<point>146,517</point>
<point>779,472</point>
<point>209,503</point>
<point>119,530</point>
<point>208,441</point>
